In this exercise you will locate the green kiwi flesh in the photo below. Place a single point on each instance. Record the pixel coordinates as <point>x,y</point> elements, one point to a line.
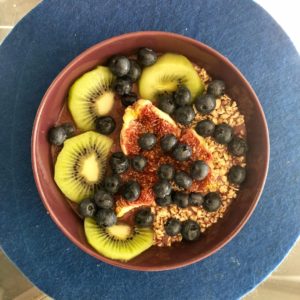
<point>120,241</point>
<point>80,165</point>
<point>91,96</point>
<point>170,71</point>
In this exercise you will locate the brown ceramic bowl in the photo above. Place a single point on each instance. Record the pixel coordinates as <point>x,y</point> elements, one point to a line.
<point>218,66</point>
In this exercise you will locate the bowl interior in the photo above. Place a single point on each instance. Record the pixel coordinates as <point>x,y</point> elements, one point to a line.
<point>237,87</point>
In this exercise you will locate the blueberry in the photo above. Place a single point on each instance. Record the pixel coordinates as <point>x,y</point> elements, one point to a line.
<point>182,152</point>
<point>205,104</point>
<point>199,170</point>
<point>172,227</point>
<point>87,208</point>
<point>166,171</point>
<point>57,135</point>
<point>196,199</point>
<point>205,128</point>
<point>119,162</point>
<point>223,133</point>
<point>181,199</point>
<point>144,217</point>
<point>238,146</point>
<point>146,57</point>
<point>119,65</point>
<point>182,96</point>
<point>162,188</point>
<point>105,125</point>
<point>104,199</point>
<point>166,103</point>
<point>147,141</point>
<point>138,163</point>
<point>106,217</point>
<point>184,115</point>
<point>183,180</point>
<point>69,128</point>
<point>134,71</point>
<point>164,201</point>
<point>212,202</point>
<point>168,142</point>
<point>122,86</point>
<point>129,99</point>
<point>112,183</point>
<point>131,190</point>
<point>190,230</point>
<point>237,174</point>
<point>216,88</point>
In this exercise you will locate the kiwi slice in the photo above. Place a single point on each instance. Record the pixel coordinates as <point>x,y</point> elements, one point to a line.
<point>91,96</point>
<point>80,165</point>
<point>119,241</point>
<point>170,71</point>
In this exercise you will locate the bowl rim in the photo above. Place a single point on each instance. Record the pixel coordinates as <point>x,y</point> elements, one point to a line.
<point>34,146</point>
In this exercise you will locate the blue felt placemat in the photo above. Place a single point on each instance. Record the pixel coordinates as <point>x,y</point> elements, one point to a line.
<point>57,31</point>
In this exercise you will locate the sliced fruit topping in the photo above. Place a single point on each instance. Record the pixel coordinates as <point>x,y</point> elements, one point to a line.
<point>87,208</point>
<point>106,217</point>
<point>223,133</point>
<point>182,96</point>
<point>172,227</point>
<point>199,170</point>
<point>80,165</point>
<point>183,180</point>
<point>169,72</point>
<point>119,65</point>
<point>205,128</point>
<point>237,174</point>
<point>105,125</point>
<point>104,199</point>
<point>131,190</point>
<point>144,117</point>
<point>216,88</point>
<point>196,143</point>
<point>205,104</point>
<point>212,202</point>
<point>119,162</point>
<point>91,96</point>
<point>196,199</point>
<point>184,115</point>
<point>146,198</point>
<point>119,241</point>
<point>144,217</point>
<point>238,146</point>
<point>146,57</point>
<point>190,230</point>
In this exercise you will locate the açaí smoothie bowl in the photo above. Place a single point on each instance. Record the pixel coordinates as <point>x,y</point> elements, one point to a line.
<point>149,150</point>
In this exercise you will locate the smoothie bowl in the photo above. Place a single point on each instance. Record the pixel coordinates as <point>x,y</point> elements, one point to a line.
<point>150,151</point>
